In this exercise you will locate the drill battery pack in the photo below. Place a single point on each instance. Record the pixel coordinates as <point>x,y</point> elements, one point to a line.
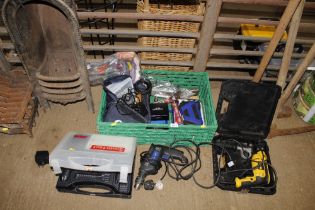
<point>241,160</point>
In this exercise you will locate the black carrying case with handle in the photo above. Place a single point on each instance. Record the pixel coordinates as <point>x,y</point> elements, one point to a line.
<point>244,113</point>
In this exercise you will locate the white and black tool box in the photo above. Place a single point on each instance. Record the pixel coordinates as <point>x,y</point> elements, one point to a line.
<point>244,113</point>
<point>94,164</point>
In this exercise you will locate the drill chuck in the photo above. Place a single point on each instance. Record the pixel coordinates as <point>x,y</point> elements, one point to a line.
<point>139,181</point>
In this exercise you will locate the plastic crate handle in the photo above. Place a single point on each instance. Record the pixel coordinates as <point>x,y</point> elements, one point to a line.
<point>156,128</point>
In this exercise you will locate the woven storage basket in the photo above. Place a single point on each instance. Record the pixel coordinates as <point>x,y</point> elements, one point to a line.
<point>166,42</point>
<point>174,26</point>
<point>178,26</point>
<point>168,68</point>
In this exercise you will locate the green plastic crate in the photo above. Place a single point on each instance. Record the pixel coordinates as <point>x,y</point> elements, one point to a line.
<point>164,134</point>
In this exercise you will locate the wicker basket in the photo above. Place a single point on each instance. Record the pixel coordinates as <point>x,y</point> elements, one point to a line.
<point>174,26</point>
<point>168,68</point>
<point>144,6</point>
<point>166,42</point>
<point>161,25</point>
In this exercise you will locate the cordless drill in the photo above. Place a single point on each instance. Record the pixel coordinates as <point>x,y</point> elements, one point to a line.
<point>151,161</point>
<point>261,174</point>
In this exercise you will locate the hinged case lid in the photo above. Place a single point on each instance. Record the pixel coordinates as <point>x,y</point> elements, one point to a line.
<point>92,152</point>
<point>246,109</point>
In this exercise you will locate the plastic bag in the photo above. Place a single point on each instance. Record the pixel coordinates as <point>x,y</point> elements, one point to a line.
<point>121,63</point>
<point>163,89</point>
<point>166,89</point>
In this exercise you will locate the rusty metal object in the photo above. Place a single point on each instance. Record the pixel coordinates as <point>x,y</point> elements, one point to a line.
<point>60,85</point>
<point>65,98</point>
<point>4,64</point>
<point>52,79</point>
<point>15,95</point>
<point>27,123</point>
<point>17,108</point>
<point>62,91</point>
<point>47,39</point>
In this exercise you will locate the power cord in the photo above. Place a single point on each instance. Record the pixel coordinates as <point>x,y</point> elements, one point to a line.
<point>272,173</point>
<point>180,171</point>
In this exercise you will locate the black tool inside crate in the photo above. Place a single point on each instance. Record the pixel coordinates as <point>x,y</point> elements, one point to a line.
<point>244,112</point>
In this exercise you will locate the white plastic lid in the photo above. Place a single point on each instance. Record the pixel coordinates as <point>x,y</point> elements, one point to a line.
<point>93,152</point>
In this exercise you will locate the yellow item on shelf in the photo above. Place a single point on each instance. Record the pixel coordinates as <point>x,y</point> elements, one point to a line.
<point>5,129</point>
<point>260,31</point>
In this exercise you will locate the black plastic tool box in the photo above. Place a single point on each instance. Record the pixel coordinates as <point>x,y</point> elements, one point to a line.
<point>94,183</point>
<point>244,113</point>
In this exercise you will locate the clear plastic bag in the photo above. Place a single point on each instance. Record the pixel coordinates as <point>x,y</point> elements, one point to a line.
<point>121,63</point>
<point>165,89</point>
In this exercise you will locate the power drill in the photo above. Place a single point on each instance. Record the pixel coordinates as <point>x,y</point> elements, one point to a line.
<point>260,170</point>
<point>151,161</point>
<point>245,151</point>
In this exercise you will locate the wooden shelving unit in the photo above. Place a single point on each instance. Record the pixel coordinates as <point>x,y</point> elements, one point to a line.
<point>221,61</point>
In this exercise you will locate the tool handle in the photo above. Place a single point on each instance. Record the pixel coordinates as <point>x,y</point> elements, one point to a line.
<point>249,181</point>
<point>171,153</point>
<point>260,172</point>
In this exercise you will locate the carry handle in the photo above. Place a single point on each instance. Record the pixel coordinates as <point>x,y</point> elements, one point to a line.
<point>222,106</point>
<point>107,189</point>
<point>157,128</point>
<point>77,162</point>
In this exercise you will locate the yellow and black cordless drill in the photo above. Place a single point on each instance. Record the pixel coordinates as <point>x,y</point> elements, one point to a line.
<point>261,175</point>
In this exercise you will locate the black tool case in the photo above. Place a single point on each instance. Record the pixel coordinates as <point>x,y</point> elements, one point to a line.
<point>244,113</point>
<point>94,183</point>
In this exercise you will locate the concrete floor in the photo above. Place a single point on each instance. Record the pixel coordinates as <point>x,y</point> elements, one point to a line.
<point>23,185</point>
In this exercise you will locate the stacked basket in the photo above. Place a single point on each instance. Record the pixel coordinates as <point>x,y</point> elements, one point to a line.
<point>143,6</point>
